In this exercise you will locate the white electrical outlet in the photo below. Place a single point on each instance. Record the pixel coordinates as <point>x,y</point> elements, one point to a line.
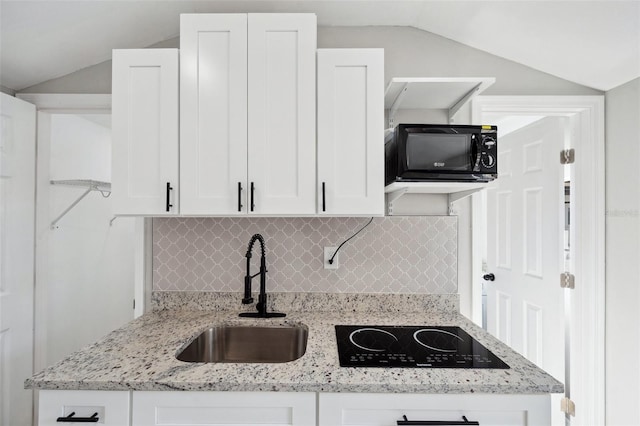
<point>328,252</point>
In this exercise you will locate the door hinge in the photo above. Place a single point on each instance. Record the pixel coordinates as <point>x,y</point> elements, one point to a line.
<point>567,280</point>
<point>567,156</point>
<point>567,406</point>
<point>134,303</point>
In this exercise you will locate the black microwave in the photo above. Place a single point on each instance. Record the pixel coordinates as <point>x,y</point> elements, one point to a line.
<point>437,152</point>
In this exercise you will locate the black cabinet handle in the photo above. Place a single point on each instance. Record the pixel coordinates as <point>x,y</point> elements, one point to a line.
<point>324,202</point>
<point>489,277</point>
<point>169,189</point>
<point>239,196</point>
<point>72,419</point>
<point>252,189</point>
<point>464,422</point>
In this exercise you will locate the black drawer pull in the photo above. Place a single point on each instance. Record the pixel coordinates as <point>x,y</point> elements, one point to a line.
<point>72,419</point>
<point>324,204</point>
<point>239,196</point>
<point>464,422</point>
<point>169,188</point>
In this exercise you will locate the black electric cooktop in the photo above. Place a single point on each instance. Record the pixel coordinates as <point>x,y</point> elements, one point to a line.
<point>411,346</point>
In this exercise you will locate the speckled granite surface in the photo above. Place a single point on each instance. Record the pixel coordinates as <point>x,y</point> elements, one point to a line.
<point>307,302</point>
<point>141,356</point>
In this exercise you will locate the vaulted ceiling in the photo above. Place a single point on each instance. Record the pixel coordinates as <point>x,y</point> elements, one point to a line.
<point>593,43</point>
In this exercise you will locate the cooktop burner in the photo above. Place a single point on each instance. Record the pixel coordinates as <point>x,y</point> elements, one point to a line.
<point>411,346</point>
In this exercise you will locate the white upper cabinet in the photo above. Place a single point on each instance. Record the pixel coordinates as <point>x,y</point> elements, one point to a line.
<point>213,120</point>
<point>247,114</point>
<point>350,132</point>
<point>145,132</point>
<point>282,112</point>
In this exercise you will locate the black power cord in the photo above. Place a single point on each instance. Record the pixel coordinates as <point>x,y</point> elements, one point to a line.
<point>345,241</point>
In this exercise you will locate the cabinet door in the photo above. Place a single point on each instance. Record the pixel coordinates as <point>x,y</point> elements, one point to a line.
<point>213,120</point>
<point>351,132</point>
<point>112,407</point>
<point>282,163</point>
<point>224,408</point>
<point>342,409</point>
<point>145,132</point>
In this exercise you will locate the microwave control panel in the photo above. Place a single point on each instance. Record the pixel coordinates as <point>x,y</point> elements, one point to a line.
<point>488,150</point>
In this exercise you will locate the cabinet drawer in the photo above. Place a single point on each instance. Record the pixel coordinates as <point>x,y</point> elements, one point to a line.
<point>387,409</point>
<point>112,406</point>
<point>224,408</point>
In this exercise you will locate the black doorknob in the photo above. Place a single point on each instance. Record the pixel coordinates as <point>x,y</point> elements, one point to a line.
<point>489,277</point>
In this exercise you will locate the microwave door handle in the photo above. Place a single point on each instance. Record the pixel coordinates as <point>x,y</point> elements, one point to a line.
<point>475,153</point>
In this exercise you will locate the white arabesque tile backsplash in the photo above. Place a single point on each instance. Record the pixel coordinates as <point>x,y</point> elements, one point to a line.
<point>396,254</point>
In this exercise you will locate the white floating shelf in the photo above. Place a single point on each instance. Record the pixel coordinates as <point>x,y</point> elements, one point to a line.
<point>434,187</point>
<point>450,93</point>
<point>95,185</point>
<point>453,190</point>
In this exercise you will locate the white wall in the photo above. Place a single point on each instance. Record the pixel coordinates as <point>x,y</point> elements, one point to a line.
<point>409,52</point>
<point>623,254</point>
<point>89,274</point>
<point>80,148</point>
<point>6,90</point>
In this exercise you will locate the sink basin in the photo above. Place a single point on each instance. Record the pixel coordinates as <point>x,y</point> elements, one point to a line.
<point>235,343</point>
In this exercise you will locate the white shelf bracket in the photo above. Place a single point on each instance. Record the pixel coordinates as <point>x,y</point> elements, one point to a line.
<point>465,99</point>
<point>68,209</point>
<point>104,188</point>
<point>396,104</point>
<point>456,196</point>
<point>392,197</point>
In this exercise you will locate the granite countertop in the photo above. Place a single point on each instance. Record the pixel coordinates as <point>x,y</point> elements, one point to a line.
<point>141,355</point>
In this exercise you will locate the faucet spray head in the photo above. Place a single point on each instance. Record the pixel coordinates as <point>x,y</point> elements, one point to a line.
<point>255,237</point>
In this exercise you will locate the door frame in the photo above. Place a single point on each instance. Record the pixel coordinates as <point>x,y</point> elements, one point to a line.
<point>587,322</point>
<point>47,104</point>
<point>18,258</point>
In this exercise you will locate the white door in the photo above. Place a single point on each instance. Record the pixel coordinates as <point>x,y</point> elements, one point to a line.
<point>525,216</point>
<point>17,224</point>
<point>213,114</point>
<point>351,131</point>
<point>145,132</point>
<point>282,113</point>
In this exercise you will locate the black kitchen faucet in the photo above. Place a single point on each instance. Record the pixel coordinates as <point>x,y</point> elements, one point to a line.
<point>261,306</point>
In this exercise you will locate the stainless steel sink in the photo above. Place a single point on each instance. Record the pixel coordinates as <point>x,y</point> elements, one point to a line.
<point>227,343</point>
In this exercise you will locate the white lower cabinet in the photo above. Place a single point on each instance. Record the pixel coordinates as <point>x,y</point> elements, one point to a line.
<point>112,408</point>
<point>336,409</point>
<point>185,408</point>
<point>224,408</point>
